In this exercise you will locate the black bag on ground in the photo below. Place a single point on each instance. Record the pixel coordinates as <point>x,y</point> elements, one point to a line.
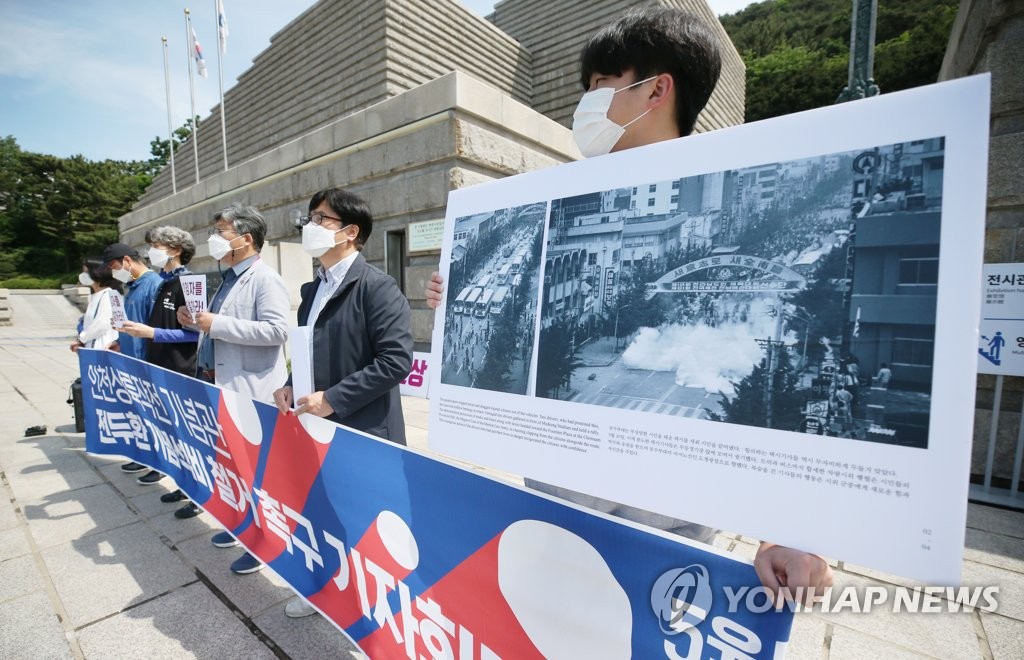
<point>75,399</point>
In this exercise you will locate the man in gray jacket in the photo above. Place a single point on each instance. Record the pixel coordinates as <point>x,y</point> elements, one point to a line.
<point>242,334</point>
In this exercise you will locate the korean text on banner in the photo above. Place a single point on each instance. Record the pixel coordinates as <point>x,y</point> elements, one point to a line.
<point>413,557</point>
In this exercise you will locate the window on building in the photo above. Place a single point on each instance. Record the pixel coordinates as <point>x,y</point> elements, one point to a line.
<point>919,271</point>
<point>394,257</point>
<point>632,204</point>
<point>650,202</point>
<point>674,200</point>
<point>592,259</point>
<point>913,346</point>
<point>604,219</point>
<point>652,188</point>
<point>675,185</point>
<point>634,191</point>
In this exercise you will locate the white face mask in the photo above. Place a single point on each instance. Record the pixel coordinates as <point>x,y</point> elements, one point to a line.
<point>157,257</point>
<point>219,246</point>
<point>594,133</point>
<point>84,279</point>
<point>122,275</point>
<point>317,240</point>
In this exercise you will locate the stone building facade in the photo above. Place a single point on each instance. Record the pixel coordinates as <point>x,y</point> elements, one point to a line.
<point>988,36</point>
<point>400,101</point>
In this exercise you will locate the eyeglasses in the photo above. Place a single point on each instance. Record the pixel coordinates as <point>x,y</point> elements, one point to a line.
<point>316,219</point>
<point>214,231</point>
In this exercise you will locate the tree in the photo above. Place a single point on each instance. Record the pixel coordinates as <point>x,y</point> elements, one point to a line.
<point>823,301</point>
<point>797,51</point>
<point>54,211</point>
<point>501,347</point>
<point>633,309</point>
<point>749,405</point>
<point>161,148</point>
<point>556,359</point>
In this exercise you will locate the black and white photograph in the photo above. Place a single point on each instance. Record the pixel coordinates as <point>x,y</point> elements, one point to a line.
<point>795,295</point>
<point>490,309</point>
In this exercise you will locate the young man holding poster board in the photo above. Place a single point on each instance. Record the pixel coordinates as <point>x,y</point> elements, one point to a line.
<point>647,76</point>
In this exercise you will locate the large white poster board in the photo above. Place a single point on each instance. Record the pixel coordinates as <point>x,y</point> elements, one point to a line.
<point>699,327</point>
<point>1001,336</point>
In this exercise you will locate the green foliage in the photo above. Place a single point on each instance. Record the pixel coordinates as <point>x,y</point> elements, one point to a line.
<point>161,148</point>
<point>29,282</point>
<point>55,211</point>
<point>797,51</point>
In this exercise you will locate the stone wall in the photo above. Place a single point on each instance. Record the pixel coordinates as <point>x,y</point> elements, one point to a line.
<point>338,57</point>
<point>403,155</point>
<point>400,101</point>
<point>988,36</point>
<point>341,56</point>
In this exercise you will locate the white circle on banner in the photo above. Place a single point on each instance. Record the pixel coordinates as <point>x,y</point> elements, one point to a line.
<point>398,540</point>
<point>243,413</point>
<point>318,428</point>
<point>554,581</point>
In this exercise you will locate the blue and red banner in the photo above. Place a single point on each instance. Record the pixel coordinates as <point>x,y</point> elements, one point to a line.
<point>412,557</point>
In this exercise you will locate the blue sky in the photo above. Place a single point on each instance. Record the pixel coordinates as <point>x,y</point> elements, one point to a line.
<point>87,77</point>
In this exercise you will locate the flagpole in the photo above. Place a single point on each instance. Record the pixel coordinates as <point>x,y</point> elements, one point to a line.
<point>221,49</point>
<point>170,125</point>
<point>192,92</point>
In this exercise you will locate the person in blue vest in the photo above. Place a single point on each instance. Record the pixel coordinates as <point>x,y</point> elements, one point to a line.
<point>141,286</point>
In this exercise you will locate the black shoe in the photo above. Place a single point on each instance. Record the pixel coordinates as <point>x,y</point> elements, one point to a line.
<point>150,478</point>
<point>190,510</point>
<point>173,496</point>
<point>133,467</point>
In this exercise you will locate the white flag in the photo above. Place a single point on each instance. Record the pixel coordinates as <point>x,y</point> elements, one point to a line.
<point>197,53</point>
<point>222,27</point>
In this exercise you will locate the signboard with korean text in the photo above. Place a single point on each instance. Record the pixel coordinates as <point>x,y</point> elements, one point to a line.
<point>780,352</point>
<point>194,288</point>
<point>410,556</point>
<point>426,236</point>
<point>417,383</point>
<point>117,315</point>
<point>1001,336</point>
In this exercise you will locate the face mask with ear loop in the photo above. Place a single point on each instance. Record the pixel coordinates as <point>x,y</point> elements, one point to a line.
<point>219,246</point>
<point>122,275</point>
<point>317,240</point>
<point>594,132</point>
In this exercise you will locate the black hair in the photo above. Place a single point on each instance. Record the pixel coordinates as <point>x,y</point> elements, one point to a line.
<point>350,208</point>
<point>101,274</point>
<point>656,40</point>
